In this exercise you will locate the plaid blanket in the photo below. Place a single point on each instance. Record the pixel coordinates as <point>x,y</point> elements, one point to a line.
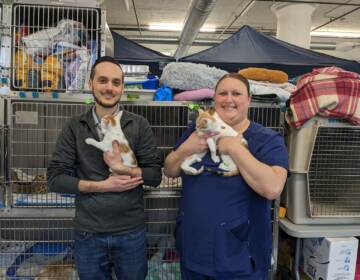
<point>328,92</point>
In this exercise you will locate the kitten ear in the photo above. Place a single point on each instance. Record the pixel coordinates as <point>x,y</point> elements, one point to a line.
<point>200,111</point>
<point>212,111</point>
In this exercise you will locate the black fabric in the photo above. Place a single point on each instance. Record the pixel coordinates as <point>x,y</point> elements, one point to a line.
<point>250,48</point>
<point>129,52</point>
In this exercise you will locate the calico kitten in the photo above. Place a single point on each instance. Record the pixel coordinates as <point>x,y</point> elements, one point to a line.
<point>111,129</point>
<point>209,122</point>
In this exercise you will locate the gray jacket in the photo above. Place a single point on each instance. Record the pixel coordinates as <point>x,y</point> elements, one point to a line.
<point>73,160</point>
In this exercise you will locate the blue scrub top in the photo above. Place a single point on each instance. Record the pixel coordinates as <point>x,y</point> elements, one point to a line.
<point>223,226</point>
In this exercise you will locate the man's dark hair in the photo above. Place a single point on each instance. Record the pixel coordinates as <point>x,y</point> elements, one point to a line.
<point>236,76</point>
<point>105,59</point>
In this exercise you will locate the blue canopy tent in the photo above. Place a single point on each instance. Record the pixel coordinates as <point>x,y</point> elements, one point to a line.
<point>250,48</point>
<point>129,52</point>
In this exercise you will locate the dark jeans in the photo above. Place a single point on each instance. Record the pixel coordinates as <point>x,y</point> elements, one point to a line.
<point>96,253</point>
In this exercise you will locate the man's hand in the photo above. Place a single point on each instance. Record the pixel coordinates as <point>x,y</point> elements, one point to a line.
<point>118,183</point>
<point>114,161</point>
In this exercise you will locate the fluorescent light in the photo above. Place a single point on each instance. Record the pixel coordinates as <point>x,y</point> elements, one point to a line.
<point>208,29</point>
<point>166,26</point>
<point>335,34</point>
<point>176,27</point>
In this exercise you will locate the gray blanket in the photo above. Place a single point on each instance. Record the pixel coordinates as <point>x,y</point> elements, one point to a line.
<point>189,76</point>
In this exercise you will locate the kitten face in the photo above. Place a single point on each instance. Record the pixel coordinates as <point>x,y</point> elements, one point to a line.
<point>205,119</point>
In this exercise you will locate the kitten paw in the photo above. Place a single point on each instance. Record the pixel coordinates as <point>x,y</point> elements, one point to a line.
<point>215,159</point>
<point>224,167</point>
<point>193,172</point>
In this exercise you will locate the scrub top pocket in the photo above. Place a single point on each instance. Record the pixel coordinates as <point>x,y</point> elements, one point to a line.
<point>231,250</point>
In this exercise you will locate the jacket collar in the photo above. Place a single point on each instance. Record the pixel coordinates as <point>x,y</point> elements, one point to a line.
<point>87,118</point>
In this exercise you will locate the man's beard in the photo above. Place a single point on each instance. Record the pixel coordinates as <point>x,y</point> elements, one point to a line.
<point>105,105</point>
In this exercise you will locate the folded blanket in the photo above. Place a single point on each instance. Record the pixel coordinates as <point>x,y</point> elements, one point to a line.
<point>325,73</point>
<point>190,76</point>
<point>257,89</point>
<point>263,74</point>
<point>48,199</point>
<point>337,97</point>
<point>195,95</point>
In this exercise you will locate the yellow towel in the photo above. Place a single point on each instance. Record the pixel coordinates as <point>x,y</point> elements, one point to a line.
<point>51,72</point>
<point>23,63</point>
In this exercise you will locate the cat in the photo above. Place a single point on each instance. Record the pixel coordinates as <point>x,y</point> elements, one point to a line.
<point>209,122</point>
<point>111,129</point>
<point>58,271</point>
<point>28,184</point>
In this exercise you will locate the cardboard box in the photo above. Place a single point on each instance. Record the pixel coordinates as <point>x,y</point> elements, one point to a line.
<point>330,258</point>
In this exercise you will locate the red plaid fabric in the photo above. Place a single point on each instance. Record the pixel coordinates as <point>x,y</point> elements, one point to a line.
<point>319,94</point>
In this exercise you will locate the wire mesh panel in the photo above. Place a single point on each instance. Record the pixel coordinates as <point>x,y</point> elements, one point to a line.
<point>267,115</point>
<point>334,173</point>
<point>161,209</point>
<point>168,121</point>
<point>53,46</point>
<point>36,249</point>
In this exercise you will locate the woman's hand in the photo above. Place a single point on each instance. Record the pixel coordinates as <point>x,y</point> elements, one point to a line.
<point>194,144</point>
<point>225,144</point>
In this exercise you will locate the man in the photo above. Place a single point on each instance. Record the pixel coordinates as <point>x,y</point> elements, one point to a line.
<point>109,220</point>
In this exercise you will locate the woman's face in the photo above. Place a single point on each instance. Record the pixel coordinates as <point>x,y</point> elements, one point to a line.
<point>232,101</point>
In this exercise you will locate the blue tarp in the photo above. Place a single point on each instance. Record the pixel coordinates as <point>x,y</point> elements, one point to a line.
<point>250,48</point>
<point>129,52</point>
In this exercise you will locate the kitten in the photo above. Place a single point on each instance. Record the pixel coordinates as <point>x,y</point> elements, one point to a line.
<point>58,271</point>
<point>28,184</point>
<point>111,129</point>
<point>209,122</point>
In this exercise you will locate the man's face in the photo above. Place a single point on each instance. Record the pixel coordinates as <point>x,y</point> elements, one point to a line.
<point>107,85</point>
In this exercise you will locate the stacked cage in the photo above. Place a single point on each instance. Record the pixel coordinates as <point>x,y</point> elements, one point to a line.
<point>34,125</point>
<point>325,184</point>
<point>53,47</point>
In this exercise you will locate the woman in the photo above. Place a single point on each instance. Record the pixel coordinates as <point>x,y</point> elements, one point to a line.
<point>224,223</point>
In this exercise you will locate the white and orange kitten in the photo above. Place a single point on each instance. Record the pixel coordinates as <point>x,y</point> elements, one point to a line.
<point>111,129</point>
<point>206,123</point>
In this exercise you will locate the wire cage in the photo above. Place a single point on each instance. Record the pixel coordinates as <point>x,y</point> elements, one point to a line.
<point>325,163</point>
<point>36,249</point>
<point>53,47</point>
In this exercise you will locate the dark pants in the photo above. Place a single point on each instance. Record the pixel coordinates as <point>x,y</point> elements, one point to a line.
<point>187,274</point>
<point>96,253</point>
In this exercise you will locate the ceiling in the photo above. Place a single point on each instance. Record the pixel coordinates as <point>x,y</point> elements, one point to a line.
<point>334,15</point>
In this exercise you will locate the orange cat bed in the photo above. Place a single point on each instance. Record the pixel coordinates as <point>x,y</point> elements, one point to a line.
<point>263,74</point>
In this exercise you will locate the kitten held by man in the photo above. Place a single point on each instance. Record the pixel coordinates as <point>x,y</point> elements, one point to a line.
<point>209,123</point>
<point>111,129</point>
